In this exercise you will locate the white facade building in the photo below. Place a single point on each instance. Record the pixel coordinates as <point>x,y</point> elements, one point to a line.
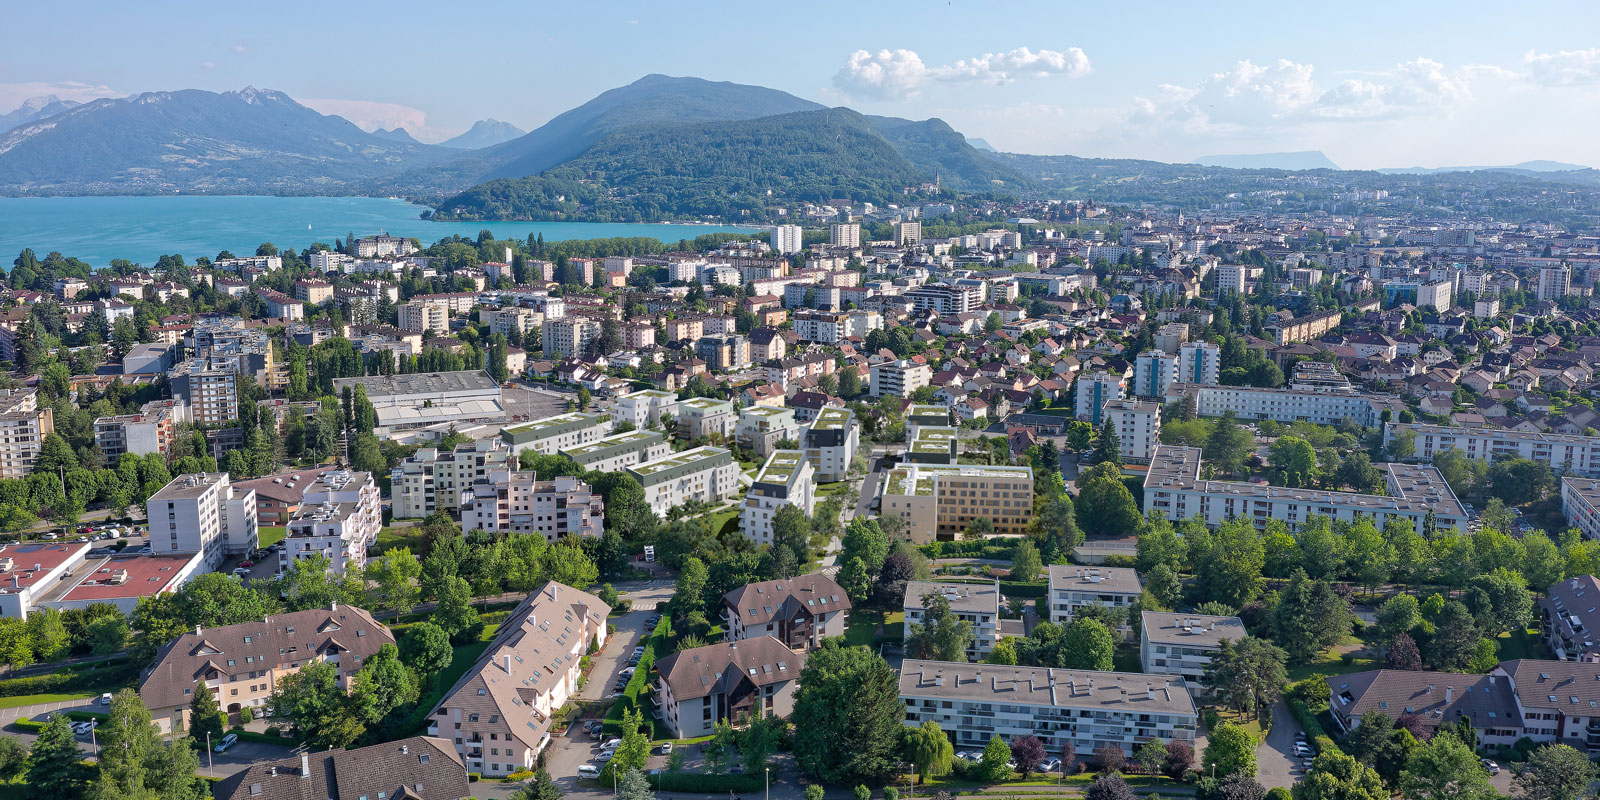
<point>1199,362</point>
<point>202,513</point>
<point>898,378</point>
<point>830,442</point>
<point>340,516</point>
<point>518,502</point>
<point>786,239</point>
<point>1094,391</point>
<point>785,480</point>
<point>707,474</point>
<point>1138,424</point>
<point>644,408</point>
<point>1183,644</point>
<point>1153,374</point>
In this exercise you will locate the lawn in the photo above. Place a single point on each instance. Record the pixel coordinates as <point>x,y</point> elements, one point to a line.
<point>1126,659</point>
<point>271,534</point>
<point>412,537</point>
<point>1253,724</point>
<point>831,489</point>
<point>864,624</point>
<point>715,522</point>
<point>1521,644</point>
<point>35,699</point>
<point>1331,662</point>
<point>465,656</point>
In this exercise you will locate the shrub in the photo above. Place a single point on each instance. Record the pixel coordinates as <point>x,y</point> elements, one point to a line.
<point>246,714</point>
<point>474,777</point>
<point>891,793</point>
<point>862,792</point>
<point>709,784</point>
<point>1211,718</point>
<point>1278,793</point>
<point>814,792</point>
<point>520,775</point>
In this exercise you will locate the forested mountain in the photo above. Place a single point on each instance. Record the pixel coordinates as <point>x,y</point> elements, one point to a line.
<point>733,170</point>
<point>934,146</point>
<point>34,108</point>
<point>251,141</point>
<point>484,133</point>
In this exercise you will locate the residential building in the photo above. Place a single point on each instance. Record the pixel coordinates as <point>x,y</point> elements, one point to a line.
<point>1554,283</point>
<point>1537,699</point>
<point>830,442</point>
<point>1088,710</point>
<point>244,664</point>
<point>1299,329</point>
<point>1567,454</point>
<point>202,513</point>
<point>1415,493</point>
<point>844,234</point>
<point>1153,373</point>
<point>734,681</point>
<point>1580,504</point>
<point>619,450</point>
<point>978,604</point>
<point>149,431</point>
<point>699,417</point>
<point>552,434</point>
<point>832,327</point>
<point>928,444</point>
<point>926,414</point>
<point>499,713</point>
<point>520,321</point>
<point>568,337</point>
<point>799,611</point>
<point>278,306</point>
<point>1329,407</point>
<point>384,246</point>
<point>1073,587</point>
<point>1138,425</point>
<point>898,378</point>
<point>907,232</point>
<point>786,239</point>
<point>761,428</point>
<point>644,408</point>
<point>418,767</point>
<point>420,315</point>
<point>314,292</point>
<point>23,426</point>
<point>1199,362</point>
<point>1094,391</point>
<point>1565,614</point>
<point>518,502</point>
<point>724,352</point>
<point>784,480</point>
<point>707,474</point>
<point>1183,644</point>
<point>340,516</point>
<point>28,572</point>
<point>279,496</point>
<point>946,299</point>
<point>1230,279</point>
<point>429,480</point>
<point>960,494</point>
<point>210,392</point>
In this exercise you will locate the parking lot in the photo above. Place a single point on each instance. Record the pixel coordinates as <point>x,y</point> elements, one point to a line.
<point>525,403</point>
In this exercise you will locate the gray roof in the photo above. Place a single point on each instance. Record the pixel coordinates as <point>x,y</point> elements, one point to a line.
<point>1045,686</point>
<point>717,668</point>
<point>472,380</point>
<point>1570,605</point>
<point>760,603</point>
<point>1434,697</point>
<point>1190,630</point>
<point>973,598</point>
<point>421,767</point>
<point>1108,580</point>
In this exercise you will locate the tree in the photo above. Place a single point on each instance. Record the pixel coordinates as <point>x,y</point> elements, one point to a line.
<point>426,648</point>
<point>634,751</point>
<point>847,715</point>
<point>1088,644</point>
<point>855,580</point>
<point>107,635</point>
<point>865,539</point>
<point>205,715</point>
<point>1397,615</point>
<point>543,787</point>
<point>1230,751</point>
<point>1106,507</point>
<point>1294,459</point>
<point>133,760</point>
<point>690,594</point>
<point>1336,776</point>
<point>941,635</point>
<point>1228,445</point>
<point>760,740</point>
<point>1109,786</point>
<point>1108,448</point>
<point>1455,637</point>
<point>1248,674</point>
<point>384,684</point>
<point>311,582</point>
<point>1230,570</point>
<point>1308,617</point>
<point>1445,768</point>
<point>455,614</point>
<point>1110,758</point>
<point>1500,601</point>
<point>1151,756</point>
<point>1028,753</point>
<point>320,711</point>
<point>633,785</point>
<point>929,750</point>
<point>791,529</point>
<point>993,765</point>
<point>1025,563</point>
<point>1403,653</point>
<point>1556,772</point>
<point>1180,759</point>
<point>393,577</point>
<point>55,767</point>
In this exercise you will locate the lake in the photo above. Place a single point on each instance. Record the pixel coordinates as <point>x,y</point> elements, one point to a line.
<point>142,229</point>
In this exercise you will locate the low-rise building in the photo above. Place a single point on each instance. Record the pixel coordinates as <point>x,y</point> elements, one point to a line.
<point>429,480</point>
<point>29,571</point>
<point>761,428</point>
<point>784,480</point>
<point>644,408</point>
<point>1250,403</point>
<point>976,603</point>
<point>521,503</point>
<point>202,513</point>
<point>1567,454</point>
<point>938,502</point>
<point>799,611</point>
<point>1183,644</point>
<point>1565,614</point>
<point>830,442</point>
<point>549,435</point>
<point>707,474</point>
<point>931,445</point>
<point>1073,587</point>
<point>619,450</point>
<point>339,517</point>
<point>424,399</point>
<point>700,417</point>
<point>419,767</point>
<point>734,681</point>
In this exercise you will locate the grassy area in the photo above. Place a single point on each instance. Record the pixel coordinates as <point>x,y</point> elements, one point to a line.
<point>390,538</point>
<point>465,656</point>
<point>271,534</point>
<point>1253,724</point>
<point>825,490</point>
<point>1126,659</point>
<point>1331,662</point>
<point>36,699</point>
<point>1521,644</point>
<point>864,624</point>
<point>719,520</point>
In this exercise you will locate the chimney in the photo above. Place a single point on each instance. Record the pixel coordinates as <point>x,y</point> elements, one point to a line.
<point>507,659</point>
<point>404,749</point>
<point>197,630</point>
<point>334,606</point>
<point>1448,691</point>
<point>305,765</point>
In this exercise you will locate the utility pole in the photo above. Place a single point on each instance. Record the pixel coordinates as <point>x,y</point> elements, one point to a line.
<point>211,758</point>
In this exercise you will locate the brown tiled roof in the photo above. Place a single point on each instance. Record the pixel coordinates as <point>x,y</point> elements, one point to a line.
<point>421,767</point>
<point>1574,684</point>
<point>1435,697</point>
<point>717,668</point>
<point>281,641</point>
<point>760,603</point>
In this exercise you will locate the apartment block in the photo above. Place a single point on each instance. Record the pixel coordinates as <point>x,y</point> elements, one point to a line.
<point>568,337</point>
<point>735,681</point>
<point>979,604</point>
<point>723,352</point>
<point>1174,488</point>
<point>644,408</point>
<point>499,713</point>
<point>1580,504</point>
<point>1299,329</point>
<point>832,327</point>
<point>844,234</point>
<point>1153,373</point>
<point>946,299</point>
<point>420,315</point>
<point>1554,283</point>
<point>707,474</point>
<point>761,428</point>
<point>959,494</point>
<point>800,611</point>
<point>521,503</point>
<point>1324,407</point>
<point>202,513</point>
<point>1199,362</point>
<point>1138,424</point>
<point>926,414</point>
<point>149,431</point>
<point>784,480</point>
<point>699,417</point>
<point>1073,587</point>
<point>552,434</point>
<point>23,426</point>
<point>1183,644</point>
<point>1567,454</point>
<point>521,321</point>
<point>975,702</point>
<point>898,378</point>
<point>1094,391</point>
<point>210,392</point>
<point>340,516</point>
<point>927,444</point>
<point>619,450</point>
<point>830,442</point>
<point>429,480</point>
<point>786,239</point>
<point>1230,279</point>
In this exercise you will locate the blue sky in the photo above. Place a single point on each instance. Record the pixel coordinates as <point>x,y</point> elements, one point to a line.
<point>1370,84</point>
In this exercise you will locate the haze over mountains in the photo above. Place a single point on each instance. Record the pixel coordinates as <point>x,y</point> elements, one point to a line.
<point>34,108</point>
<point>1302,159</point>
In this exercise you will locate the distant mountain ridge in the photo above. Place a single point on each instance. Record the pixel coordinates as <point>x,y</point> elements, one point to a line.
<point>33,108</point>
<point>1526,166</point>
<point>484,133</point>
<point>1298,160</point>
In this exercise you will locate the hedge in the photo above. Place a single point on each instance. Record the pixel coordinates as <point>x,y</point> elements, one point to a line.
<point>1020,589</point>
<point>709,784</point>
<point>1311,725</point>
<point>657,642</point>
<point>264,738</point>
<point>93,678</point>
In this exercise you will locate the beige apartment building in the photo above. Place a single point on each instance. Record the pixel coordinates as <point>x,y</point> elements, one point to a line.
<point>23,426</point>
<point>939,501</point>
<point>520,502</point>
<point>430,481</point>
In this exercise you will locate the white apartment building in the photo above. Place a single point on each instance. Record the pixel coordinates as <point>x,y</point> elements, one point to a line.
<point>1153,374</point>
<point>1073,587</point>
<point>202,513</point>
<point>429,481</point>
<point>552,434</point>
<point>845,234</point>
<point>1554,283</point>
<point>210,393</point>
<point>898,378</point>
<point>644,408</point>
<point>1138,424</point>
<point>707,474</point>
<point>832,327</point>
<point>1199,362</point>
<point>907,232</point>
<point>704,416</point>
<point>149,431</point>
<point>785,480</point>
<point>522,321</point>
<point>23,426</point>
<point>975,603</point>
<point>1089,710</point>
<point>568,336</point>
<point>786,239</point>
<point>946,299</point>
<point>1094,391</point>
<point>519,502</point>
<point>425,316</point>
<point>340,516</point>
<point>761,428</point>
<point>619,450</point>
<point>1174,488</point>
<point>830,442</point>
<point>1230,278</point>
<point>1183,644</point>
<point>1580,504</point>
<point>1250,403</point>
<point>1567,454</point>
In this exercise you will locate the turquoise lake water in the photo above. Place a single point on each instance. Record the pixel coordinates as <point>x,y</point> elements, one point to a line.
<point>142,229</point>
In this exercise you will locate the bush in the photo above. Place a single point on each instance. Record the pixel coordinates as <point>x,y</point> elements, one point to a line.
<point>246,714</point>
<point>520,775</point>
<point>709,784</point>
<point>891,793</point>
<point>1311,725</point>
<point>814,792</point>
<point>862,792</point>
<point>1019,589</point>
<point>114,673</point>
<point>1278,793</point>
<point>474,777</point>
<point>1211,718</point>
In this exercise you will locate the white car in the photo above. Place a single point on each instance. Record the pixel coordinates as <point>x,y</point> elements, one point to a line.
<point>589,771</point>
<point>1493,768</point>
<point>1050,765</point>
<point>611,744</point>
<point>227,742</point>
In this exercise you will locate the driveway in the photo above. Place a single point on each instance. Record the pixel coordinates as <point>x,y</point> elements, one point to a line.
<point>606,664</point>
<point>238,757</point>
<point>1276,764</point>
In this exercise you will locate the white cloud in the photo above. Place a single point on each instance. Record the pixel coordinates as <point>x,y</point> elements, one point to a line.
<point>208,65</point>
<point>239,48</point>
<point>1564,67</point>
<point>902,74</point>
<point>12,94</point>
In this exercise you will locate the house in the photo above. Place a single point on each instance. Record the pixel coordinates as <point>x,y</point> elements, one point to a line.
<point>799,611</point>
<point>971,408</point>
<point>417,768</point>
<point>702,686</point>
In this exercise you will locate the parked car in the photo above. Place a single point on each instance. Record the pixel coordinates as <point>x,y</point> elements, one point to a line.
<point>611,744</point>
<point>604,757</point>
<point>666,748</point>
<point>1493,768</point>
<point>628,671</point>
<point>227,742</point>
<point>589,771</point>
<point>105,699</point>
<point>1050,765</point>
<point>247,563</point>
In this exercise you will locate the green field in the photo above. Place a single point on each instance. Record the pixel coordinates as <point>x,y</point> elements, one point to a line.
<point>21,700</point>
<point>272,534</point>
<point>412,537</point>
<point>864,624</point>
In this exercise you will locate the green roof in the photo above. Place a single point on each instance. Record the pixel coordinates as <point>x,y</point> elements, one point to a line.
<point>651,393</point>
<point>781,466</point>
<point>918,480</point>
<point>551,426</point>
<point>586,454</point>
<point>832,418</point>
<point>765,411</point>
<point>933,440</point>
<point>653,472</point>
<point>704,403</point>
<point>927,410</point>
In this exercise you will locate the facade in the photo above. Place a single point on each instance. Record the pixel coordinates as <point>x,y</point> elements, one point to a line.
<point>429,480</point>
<point>945,299</point>
<point>210,392</point>
<point>707,474</point>
<point>202,513</point>
<point>830,442</point>
<point>723,352</point>
<point>800,611</point>
<point>619,450</point>
<point>959,494</point>
<point>1248,403</point>
<point>1230,279</point>
<point>519,502</point>
<point>1089,710</point>
<point>1565,614</point>
<point>732,681</point>
<point>498,715</point>
<point>1183,644</point>
<point>552,434</point>
<point>340,516</point>
<point>898,378</point>
<point>242,664</point>
<point>149,431</point>
<point>761,428</point>
<point>699,417</point>
<point>1554,283</point>
<point>1073,587</point>
<point>568,337</point>
<point>1173,487</point>
<point>418,767</point>
<point>1153,373</point>
<point>23,426</point>
<point>784,480</point>
<point>1199,362</point>
<point>1567,454</point>
<point>1094,391</point>
<point>976,603</point>
<point>1300,329</point>
<point>844,234</point>
<point>832,327</point>
<point>30,571</point>
<point>644,408</point>
<point>1138,424</point>
<point>927,444</point>
<point>786,239</point>
<point>1580,504</point>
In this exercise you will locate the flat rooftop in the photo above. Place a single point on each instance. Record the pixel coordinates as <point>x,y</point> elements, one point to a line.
<point>1192,630</point>
<point>980,598</point>
<point>927,410</point>
<point>190,485</point>
<point>574,419</point>
<point>933,440</point>
<point>122,577</point>
<point>832,418</point>
<point>1111,692</point>
<point>765,411</point>
<point>683,459</point>
<point>614,441</point>
<point>781,467</point>
<point>705,403</point>
<point>656,393</point>
<point>1115,580</point>
<point>472,380</point>
<point>30,563</point>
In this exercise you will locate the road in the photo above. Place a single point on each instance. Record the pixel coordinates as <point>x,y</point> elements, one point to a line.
<point>241,755</point>
<point>1276,764</point>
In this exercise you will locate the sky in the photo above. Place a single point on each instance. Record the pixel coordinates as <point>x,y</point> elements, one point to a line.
<point>1371,85</point>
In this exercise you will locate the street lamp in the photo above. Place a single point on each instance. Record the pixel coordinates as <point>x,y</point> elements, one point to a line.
<point>768,771</point>
<point>211,759</point>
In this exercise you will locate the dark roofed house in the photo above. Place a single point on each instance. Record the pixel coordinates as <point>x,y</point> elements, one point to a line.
<point>800,611</point>
<point>418,768</point>
<point>1434,698</point>
<point>703,685</point>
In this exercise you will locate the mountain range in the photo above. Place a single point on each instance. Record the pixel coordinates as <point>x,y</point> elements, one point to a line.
<point>34,108</point>
<point>484,133</point>
<point>1298,160</point>
<point>1524,167</point>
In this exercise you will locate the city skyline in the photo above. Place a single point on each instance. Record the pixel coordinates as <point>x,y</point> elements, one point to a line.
<point>1376,86</point>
